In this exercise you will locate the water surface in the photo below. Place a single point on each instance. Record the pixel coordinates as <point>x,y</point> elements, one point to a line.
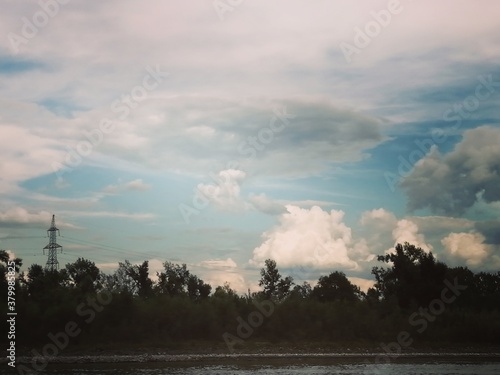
<point>359,365</point>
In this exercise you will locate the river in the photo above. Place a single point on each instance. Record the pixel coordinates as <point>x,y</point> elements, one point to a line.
<point>300,365</point>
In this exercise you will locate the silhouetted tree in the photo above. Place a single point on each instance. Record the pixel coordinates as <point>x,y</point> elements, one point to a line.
<point>225,292</point>
<point>140,276</point>
<point>173,281</point>
<point>4,260</point>
<point>334,287</point>
<point>84,276</point>
<point>197,289</point>
<point>414,277</point>
<point>275,287</point>
<point>302,291</point>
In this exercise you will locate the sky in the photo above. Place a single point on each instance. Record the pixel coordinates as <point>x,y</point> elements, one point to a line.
<point>223,133</point>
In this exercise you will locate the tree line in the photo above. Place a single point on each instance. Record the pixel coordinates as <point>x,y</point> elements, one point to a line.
<point>413,292</point>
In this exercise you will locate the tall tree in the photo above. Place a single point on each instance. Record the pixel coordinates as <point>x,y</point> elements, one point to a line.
<point>121,281</point>
<point>140,275</point>
<point>4,261</point>
<point>84,275</point>
<point>197,289</point>
<point>173,280</point>
<point>415,277</point>
<point>275,287</point>
<point>302,291</point>
<point>334,287</point>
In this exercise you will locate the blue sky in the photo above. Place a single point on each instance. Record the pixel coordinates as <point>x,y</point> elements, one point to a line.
<point>222,135</point>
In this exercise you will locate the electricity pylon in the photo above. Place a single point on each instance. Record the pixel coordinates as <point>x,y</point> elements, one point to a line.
<point>52,263</point>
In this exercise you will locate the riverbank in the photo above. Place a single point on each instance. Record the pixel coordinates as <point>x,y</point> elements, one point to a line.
<point>253,351</point>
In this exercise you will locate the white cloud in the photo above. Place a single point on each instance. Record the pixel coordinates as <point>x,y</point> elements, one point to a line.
<point>364,284</point>
<point>383,231</point>
<point>263,203</point>
<point>217,272</point>
<point>137,185</point>
<point>155,265</point>
<point>113,214</point>
<point>27,159</point>
<point>379,216</point>
<point>12,254</point>
<point>226,78</point>
<point>134,185</point>
<point>225,193</point>
<point>466,246</point>
<point>107,268</point>
<point>407,231</point>
<point>235,280</point>
<point>311,238</point>
<point>219,264</point>
<point>22,216</point>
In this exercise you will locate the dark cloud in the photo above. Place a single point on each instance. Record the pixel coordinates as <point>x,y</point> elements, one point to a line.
<point>450,184</point>
<point>490,230</point>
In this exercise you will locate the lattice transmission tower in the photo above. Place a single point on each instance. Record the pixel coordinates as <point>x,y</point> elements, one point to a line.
<point>52,263</point>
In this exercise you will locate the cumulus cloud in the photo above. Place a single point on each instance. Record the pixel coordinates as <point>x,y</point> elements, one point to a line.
<point>312,238</point>
<point>217,272</point>
<point>155,266</point>
<point>225,192</point>
<point>364,284</point>
<point>407,231</point>
<point>452,183</point>
<point>469,247</point>
<point>379,219</point>
<point>383,230</point>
